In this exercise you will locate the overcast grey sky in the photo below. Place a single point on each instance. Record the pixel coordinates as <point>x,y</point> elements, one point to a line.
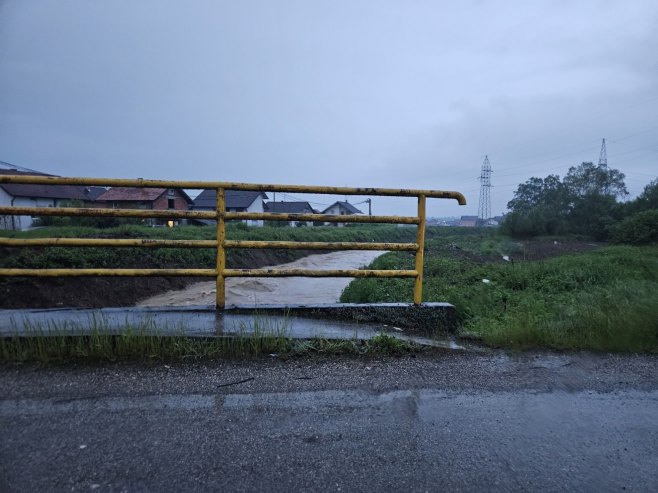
<point>406,94</point>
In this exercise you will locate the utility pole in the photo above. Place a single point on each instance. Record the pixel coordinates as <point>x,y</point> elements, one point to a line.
<point>603,157</point>
<point>484,208</point>
<point>369,206</point>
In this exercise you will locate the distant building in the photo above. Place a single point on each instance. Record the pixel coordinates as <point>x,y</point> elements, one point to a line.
<point>498,220</point>
<point>468,221</point>
<point>26,195</point>
<point>291,208</point>
<point>341,209</point>
<point>159,199</point>
<point>236,201</point>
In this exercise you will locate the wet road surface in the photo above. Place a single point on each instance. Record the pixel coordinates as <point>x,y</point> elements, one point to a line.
<point>272,290</point>
<point>465,422</point>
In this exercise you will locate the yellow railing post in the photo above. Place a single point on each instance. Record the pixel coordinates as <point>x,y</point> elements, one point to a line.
<point>420,252</point>
<point>221,254</point>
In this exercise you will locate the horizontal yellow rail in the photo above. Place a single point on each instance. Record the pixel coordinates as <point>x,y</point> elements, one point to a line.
<point>317,273</point>
<point>317,245</point>
<point>326,218</point>
<point>175,214</point>
<point>107,242</point>
<point>221,216</point>
<point>287,245</point>
<point>96,212</point>
<point>108,272</point>
<point>118,182</point>
<point>205,273</point>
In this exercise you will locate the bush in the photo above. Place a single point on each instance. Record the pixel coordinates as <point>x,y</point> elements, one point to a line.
<point>639,229</point>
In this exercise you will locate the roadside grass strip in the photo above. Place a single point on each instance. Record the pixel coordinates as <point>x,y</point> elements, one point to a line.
<point>144,343</point>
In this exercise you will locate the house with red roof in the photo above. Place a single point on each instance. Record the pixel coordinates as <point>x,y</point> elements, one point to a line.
<point>160,199</point>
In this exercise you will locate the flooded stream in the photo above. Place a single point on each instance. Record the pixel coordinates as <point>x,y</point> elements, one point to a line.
<point>274,290</point>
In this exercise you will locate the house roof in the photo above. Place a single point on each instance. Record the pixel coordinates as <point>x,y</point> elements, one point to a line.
<point>95,192</point>
<point>234,199</point>
<point>119,194</point>
<point>71,192</point>
<point>469,218</point>
<point>345,205</point>
<point>289,207</point>
<point>136,194</point>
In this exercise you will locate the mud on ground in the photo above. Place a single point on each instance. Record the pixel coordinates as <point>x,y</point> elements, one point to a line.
<point>99,292</point>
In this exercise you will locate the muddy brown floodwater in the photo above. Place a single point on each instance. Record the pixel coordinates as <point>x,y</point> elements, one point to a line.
<point>270,290</point>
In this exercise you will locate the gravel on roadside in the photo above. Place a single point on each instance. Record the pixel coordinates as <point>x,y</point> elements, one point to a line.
<point>494,371</point>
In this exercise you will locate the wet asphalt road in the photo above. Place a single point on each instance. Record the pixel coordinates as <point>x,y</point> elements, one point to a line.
<point>463,422</point>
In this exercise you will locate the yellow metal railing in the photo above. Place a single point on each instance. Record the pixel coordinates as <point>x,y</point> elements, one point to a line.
<point>221,215</point>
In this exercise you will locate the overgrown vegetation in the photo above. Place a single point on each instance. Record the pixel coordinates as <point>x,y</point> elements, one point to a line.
<point>146,344</point>
<point>602,300</point>
<point>606,299</point>
<point>585,202</point>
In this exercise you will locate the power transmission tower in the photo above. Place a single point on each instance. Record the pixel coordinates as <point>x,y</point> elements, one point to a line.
<point>484,209</point>
<point>603,157</point>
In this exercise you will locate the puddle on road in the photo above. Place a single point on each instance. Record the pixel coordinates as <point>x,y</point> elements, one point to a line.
<point>275,290</point>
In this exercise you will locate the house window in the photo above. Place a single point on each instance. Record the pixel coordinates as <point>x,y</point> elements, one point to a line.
<point>170,192</point>
<point>171,203</point>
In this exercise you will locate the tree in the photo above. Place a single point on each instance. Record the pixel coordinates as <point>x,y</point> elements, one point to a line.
<point>540,206</point>
<point>594,190</point>
<point>585,202</point>
<point>536,192</point>
<point>638,229</point>
<point>647,200</point>
<point>587,179</point>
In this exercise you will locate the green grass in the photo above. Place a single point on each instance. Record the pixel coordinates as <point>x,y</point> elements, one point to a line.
<point>96,343</point>
<point>604,300</point>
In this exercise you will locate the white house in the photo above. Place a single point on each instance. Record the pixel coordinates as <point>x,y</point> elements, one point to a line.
<point>291,208</point>
<point>236,201</point>
<point>21,195</point>
<point>341,208</point>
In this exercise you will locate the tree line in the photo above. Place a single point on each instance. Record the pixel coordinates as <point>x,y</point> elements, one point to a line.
<point>589,201</point>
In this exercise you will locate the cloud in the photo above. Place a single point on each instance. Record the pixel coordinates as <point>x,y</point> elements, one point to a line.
<point>341,93</point>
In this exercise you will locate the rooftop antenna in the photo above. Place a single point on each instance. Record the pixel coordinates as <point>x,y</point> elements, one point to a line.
<point>484,208</point>
<point>603,157</point>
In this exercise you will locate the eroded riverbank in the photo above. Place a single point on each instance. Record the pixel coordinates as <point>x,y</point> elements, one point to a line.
<point>272,290</point>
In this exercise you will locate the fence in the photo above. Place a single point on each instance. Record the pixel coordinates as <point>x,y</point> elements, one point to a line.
<point>221,243</point>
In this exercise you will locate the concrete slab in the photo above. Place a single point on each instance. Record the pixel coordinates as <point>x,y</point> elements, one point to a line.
<point>426,324</point>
